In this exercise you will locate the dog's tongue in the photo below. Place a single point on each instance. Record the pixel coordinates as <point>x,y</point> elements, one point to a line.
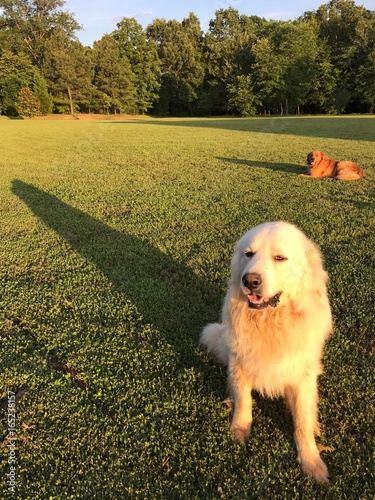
<point>257,299</point>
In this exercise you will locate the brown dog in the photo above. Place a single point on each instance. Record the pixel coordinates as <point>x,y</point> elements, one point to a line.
<point>319,165</point>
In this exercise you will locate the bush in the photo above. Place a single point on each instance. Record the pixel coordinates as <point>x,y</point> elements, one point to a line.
<point>27,104</point>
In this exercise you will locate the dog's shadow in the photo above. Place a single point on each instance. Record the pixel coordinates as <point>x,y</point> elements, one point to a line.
<point>281,167</point>
<point>168,295</point>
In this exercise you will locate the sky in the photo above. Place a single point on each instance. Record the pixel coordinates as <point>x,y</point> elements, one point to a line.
<point>99,17</point>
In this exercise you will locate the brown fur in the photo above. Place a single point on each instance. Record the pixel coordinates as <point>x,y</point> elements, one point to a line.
<point>276,349</point>
<point>319,165</point>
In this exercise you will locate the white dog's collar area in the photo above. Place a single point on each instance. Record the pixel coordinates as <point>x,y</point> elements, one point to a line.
<point>258,302</point>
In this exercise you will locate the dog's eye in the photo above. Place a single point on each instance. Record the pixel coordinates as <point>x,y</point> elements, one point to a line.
<point>250,254</point>
<point>280,258</point>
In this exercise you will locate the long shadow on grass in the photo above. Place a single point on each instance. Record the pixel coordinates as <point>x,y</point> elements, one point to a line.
<point>167,294</point>
<point>282,167</point>
<point>359,128</point>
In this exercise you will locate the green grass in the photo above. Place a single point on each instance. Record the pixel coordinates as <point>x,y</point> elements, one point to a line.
<point>115,245</point>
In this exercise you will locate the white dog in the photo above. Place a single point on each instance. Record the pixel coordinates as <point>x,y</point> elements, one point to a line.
<point>275,320</point>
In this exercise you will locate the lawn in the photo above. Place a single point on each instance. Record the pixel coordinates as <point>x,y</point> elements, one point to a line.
<point>116,238</point>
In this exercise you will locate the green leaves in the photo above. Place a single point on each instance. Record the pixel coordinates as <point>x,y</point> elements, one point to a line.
<point>16,72</point>
<point>144,63</point>
<point>113,78</point>
<point>27,104</point>
<point>320,63</point>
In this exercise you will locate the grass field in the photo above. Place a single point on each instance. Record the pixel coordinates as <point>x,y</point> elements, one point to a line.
<point>115,245</point>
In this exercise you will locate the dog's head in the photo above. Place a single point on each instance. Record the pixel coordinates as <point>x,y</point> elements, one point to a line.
<point>314,158</point>
<point>274,263</point>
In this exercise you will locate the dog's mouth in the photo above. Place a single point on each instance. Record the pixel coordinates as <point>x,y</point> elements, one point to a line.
<point>310,161</point>
<point>258,302</point>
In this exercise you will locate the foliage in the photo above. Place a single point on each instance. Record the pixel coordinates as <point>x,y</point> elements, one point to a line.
<point>31,24</point>
<point>40,90</point>
<point>141,56</point>
<point>69,71</point>
<point>298,48</point>
<point>17,71</point>
<point>228,52</point>
<point>347,30</point>
<point>242,97</point>
<point>115,252</point>
<point>27,104</point>
<point>182,71</point>
<point>322,62</point>
<point>268,73</point>
<point>113,77</point>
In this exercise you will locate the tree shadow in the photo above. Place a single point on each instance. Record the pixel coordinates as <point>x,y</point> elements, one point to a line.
<point>281,167</point>
<point>167,294</point>
<point>350,128</point>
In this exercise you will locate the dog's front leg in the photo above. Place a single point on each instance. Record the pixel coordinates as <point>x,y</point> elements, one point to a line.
<point>302,400</point>
<point>240,391</point>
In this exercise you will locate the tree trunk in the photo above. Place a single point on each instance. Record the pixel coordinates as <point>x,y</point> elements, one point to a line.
<point>70,102</point>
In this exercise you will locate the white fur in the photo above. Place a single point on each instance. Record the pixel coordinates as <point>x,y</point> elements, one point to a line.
<point>276,350</point>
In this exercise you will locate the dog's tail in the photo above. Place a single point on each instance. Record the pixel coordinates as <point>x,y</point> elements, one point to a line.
<point>213,339</point>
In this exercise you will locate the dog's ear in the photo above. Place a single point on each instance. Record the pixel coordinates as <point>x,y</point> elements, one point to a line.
<point>321,156</point>
<point>315,260</point>
<point>313,280</point>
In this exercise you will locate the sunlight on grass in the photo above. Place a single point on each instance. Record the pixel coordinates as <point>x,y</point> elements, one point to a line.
<point>116,239</point>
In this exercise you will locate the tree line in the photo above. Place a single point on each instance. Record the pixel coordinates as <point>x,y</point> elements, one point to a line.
<point>322,62</point>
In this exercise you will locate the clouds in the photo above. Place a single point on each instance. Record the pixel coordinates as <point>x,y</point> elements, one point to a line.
<point>143,16</point>
<point>100,17</point>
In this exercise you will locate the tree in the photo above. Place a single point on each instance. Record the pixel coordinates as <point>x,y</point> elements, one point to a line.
<point>267,73</point>
<point>113,77</point>
<point>27,104</point>
<point>338,22</point>
<point>32,23</point>
<point>69,72</point>
<point>17,71</point>
<point>365,46</point>
<point>181,64</point>
<point>142,56</point>
<point>47,33</point>
<point>40,90</point>
<point>229,43</point>
<point>297,51</point>
<point>366,81</point>
<point>242,97</point>
<point>228,52</point>
<point>323,62</point>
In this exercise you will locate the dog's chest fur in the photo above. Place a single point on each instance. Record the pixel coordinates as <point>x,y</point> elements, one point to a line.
<point>271,349</point>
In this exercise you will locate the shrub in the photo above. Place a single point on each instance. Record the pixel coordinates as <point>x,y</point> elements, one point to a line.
<point>27,104</point>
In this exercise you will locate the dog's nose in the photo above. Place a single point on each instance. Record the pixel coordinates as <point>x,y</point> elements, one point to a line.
<point>252,281</point>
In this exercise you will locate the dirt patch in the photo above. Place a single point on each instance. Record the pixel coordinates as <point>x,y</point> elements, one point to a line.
<point>92,117</point>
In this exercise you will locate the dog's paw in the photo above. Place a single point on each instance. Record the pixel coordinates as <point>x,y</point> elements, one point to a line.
<point>241,434</point>
<point>317,469</point>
